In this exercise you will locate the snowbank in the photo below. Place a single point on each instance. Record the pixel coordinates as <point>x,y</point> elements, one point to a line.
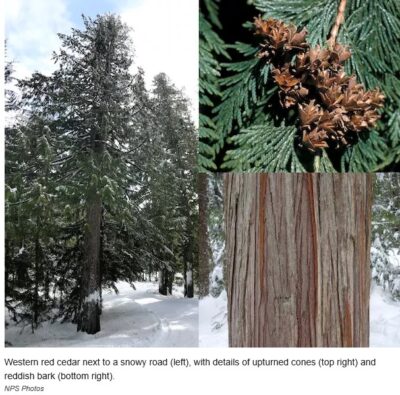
<point>384,319</point>
<point>213,328</point>
<point>132,318</point>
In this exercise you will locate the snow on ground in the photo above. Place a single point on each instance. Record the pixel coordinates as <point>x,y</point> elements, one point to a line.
<point>384,319</point>
<point>144,318</point>
<point>131,318</point>
<point>213,330</point>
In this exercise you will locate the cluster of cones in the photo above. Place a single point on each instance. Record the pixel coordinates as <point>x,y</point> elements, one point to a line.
<point>333,108</point>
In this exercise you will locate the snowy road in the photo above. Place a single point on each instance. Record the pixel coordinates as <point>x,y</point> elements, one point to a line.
<point>132,318</point>
<point>177,317</point>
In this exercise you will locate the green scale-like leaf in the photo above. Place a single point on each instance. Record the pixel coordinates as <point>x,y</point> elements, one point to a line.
<point>264,148</point>
<point>371,29</point>
<point>211,48</point>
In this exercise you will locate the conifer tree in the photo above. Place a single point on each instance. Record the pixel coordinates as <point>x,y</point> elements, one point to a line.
<point>10,96</point>
<point>261,132</point>
<point>204,248</point>
<point>216,234</point>
<point>100,184</point>
<point>173,200</point>
<point>211,235</point>
<point>94,96</point>
<point>29,191</point>
<point>386,233</point>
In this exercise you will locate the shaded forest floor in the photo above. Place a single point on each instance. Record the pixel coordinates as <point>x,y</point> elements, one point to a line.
<point>131,318</point>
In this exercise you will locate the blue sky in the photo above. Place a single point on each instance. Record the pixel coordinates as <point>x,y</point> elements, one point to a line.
<point>164,33</point>
<point>91,8</point>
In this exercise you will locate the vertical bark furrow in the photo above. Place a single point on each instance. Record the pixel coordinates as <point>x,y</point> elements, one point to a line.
<point>261,322</point>
<point>313,290</point>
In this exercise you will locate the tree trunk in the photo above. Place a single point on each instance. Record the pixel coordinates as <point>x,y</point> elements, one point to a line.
<point>90,303</point>
<point>163,282</point>
<point>204,250</point>
<point>184,277</point>
<point>188,255</point>
<point>35,307</point>
<point>90,308</point>
<point>298,249</point>
<point>170,280</point>
<point>189,280</point>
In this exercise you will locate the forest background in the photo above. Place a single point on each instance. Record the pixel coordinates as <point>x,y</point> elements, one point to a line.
<point>99,183</point>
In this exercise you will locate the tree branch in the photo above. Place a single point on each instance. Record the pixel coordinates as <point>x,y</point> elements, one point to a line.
<point>338,22</point>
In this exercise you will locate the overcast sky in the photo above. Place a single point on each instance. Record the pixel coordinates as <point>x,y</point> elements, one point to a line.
<point>165,35</point>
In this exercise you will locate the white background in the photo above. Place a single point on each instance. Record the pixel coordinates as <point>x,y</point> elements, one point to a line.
<point>235,380</point>
<point>380,379</point>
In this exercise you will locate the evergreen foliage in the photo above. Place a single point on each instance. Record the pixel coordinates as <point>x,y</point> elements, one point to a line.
<point>91,137</point>
<point>172,179</point>
<point>249,117</point>
<point>10,96</point>
<point>211,46</point>
<point>216,234</point>
<point>386,233</point>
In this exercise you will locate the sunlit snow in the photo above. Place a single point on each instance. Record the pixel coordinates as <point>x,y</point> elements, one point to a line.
<point>384,320</point>
<point>131,318</point>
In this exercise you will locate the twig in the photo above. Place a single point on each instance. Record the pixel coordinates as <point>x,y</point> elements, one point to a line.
<point>338,22</point>
<point>317,162</point>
